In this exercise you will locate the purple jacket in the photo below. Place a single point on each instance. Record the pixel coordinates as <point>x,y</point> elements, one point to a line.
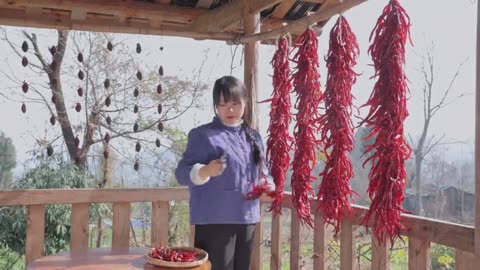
<point>221,199</point>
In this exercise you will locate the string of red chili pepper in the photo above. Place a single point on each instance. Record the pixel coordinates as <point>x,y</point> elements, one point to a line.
<point>336,125</point>
<point>279,142</point>
<point>388,110</point>
<point>306,83</point>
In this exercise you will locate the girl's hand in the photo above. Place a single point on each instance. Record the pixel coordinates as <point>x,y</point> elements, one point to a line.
<point>214,168</point>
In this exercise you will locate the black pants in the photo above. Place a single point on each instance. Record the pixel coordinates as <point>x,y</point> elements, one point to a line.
<point>229,246</point>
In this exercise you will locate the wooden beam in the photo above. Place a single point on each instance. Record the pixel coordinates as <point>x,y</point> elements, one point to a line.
<point>99,23</point>
<point>260,5</point>
<point>67,196</point>
<point>431,230</point>
<point>204,3</point>
<point>326,4</point>
<point>228,14</point>
<point>315,1</point>
<point>302,23</point>
<point>283,9</point>
<point>135,9</point>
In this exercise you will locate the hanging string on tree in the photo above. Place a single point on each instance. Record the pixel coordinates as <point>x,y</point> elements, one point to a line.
<point>336,125</point>
<point>306,83</point>
<point>279,142</point>
<point>387,113</point>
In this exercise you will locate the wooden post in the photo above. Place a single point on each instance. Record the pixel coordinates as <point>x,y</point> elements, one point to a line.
<point>276,248</point>
<point>121,225</point>
<point>160,223</point>
<point>477,145</point>
<point>418,254</point>
<point>80,230</point>
<point>380,260</point>
<point>319,243</point>
<point>347,245</point>
<point>35,233</point>
<point>251,26</point>
<point>295,232</point>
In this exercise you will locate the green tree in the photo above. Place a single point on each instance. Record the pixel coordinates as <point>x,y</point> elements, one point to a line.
<point>58,174</point>
<point>7,161</point>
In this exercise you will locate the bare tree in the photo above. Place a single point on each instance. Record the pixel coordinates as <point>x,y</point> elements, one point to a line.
<point>97,91</point>
<point>425,143</point>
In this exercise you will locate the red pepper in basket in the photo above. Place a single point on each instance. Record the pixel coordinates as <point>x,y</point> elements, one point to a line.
<point>172,255</point>
<point>336,125</point>
<point>388,110</point>
<point>306,83</point>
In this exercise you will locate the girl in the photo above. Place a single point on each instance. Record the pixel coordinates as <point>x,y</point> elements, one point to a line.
<point>221,163</point>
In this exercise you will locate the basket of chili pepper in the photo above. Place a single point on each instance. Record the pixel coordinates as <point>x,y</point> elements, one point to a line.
<point>176,257</point>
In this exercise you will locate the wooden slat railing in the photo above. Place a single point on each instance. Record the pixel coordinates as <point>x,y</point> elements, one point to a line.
<point>421,232</point>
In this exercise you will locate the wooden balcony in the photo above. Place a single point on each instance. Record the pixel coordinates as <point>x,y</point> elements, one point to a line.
<point>420,232</point>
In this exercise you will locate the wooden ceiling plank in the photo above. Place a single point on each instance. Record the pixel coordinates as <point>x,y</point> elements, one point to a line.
<point>204,3</point>
<point>227,15</point>
<point>315,1</point>
<point>326,4</point>
<point>143,10</point>
<point>165,2</point>
<point>260,5</point>
<point>99,23</point>
<point>79,15</point>
<point>283,9</point>
<point>303,23</point>
<point>219,18</point>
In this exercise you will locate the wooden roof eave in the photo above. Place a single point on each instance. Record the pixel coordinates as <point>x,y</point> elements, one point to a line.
<point>134,17</point>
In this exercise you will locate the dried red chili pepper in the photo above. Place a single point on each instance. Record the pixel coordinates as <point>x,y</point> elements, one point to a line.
<point>257,190</point>
<point>336,125</point>
<point>172,255</point>
<point>388,110</point>
<point>306,83</point>
<point>279,142</point>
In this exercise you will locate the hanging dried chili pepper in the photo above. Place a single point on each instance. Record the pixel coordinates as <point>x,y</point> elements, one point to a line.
<point>279,142</point>
<point>336,125</point>
<point>388,110</point>
<point>306,83</point>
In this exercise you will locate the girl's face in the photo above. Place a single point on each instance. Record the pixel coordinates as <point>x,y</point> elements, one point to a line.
<point>230,112</point>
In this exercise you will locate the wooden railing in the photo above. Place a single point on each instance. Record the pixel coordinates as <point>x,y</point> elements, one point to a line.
<point>421,232</point>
